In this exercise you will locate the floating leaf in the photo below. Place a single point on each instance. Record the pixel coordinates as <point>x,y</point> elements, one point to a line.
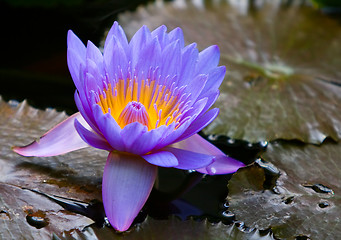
<point>19,125</point>
<point>283,62</point>
<point>173,229</point>
<point>306,199</point>
<point>43,196</point>
<point>27,215</point>
<point>76,175</point>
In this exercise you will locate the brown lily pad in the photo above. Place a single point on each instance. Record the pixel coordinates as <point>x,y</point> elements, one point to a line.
<point>27,215</point>
<point>174,228</point>
<point>306,199</point>
<point>283,61</point>
<point>73,176</point>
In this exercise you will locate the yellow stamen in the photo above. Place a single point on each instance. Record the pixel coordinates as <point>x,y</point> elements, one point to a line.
<point>128,103</point>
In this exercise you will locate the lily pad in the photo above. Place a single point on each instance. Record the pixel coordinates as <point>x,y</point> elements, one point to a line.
<point>45,197</point>
<point>19,125</point>
<point>306,199</point>
<point>283,61</point>
<point>29,214</point>
<point>174,229</point>
<point>26,215</point>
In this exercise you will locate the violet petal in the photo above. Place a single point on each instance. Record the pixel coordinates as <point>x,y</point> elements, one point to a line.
<point>62,138</point>
<point>131,133</point>
<point>199,123</point>
<point>127,182</point>
<point>208,59</point>
<point>162,159</point>
<point>190,160</point>
<point>92,138</point>
<point>222,164</point>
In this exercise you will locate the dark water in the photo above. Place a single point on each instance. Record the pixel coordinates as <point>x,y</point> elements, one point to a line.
<point>33,54</point>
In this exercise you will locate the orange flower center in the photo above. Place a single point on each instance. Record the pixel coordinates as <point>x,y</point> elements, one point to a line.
<point>150,104</point>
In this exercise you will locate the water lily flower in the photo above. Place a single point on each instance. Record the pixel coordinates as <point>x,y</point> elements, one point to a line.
<point>143,101</point>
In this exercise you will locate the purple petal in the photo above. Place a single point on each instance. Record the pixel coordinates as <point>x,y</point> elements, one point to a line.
<point>63,138</point>
<point>127,182</point>
<point>161,35</point>
<point>94,76</point>
<point>189,59</point>
<point>115,58</point>
<point>215,78</point>
<point>212,97</point>
<point>222,164</point>
<point>171,60</point>
<point>75,63</point>
<point>84,109</point>
<point>117,32</point>
<point>94,54</point>
<point>162,159</point>
<point>137,43</point>
<point>177,34</point>
<point>196,108</point>
<point>199,123</point>
<point>190,160</point>
<point>171,135</point>
<point>151,57</point>
<point>208,59</point>
<point>109,128</point>
<point>74,43</point>
<point>130,133</point>
<point>149,140</point>
<point>196,86</point>
<point>92,138</point>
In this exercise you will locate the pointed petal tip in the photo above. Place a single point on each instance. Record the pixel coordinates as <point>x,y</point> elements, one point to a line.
<point>126,185</point>
<point>222,165</point>
<point>21,150</point>
<point>61,139</point>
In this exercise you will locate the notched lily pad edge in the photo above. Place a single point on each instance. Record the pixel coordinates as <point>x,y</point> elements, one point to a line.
<point>190,229</point>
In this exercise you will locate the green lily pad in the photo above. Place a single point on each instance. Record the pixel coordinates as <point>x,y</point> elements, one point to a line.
<point>306,199</point>
<point>283,60</point>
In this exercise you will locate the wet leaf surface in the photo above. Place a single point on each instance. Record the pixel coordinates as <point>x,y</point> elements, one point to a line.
<point>72,176</point>
<point>173,229</point>
<point>283,63</point>
<point>40,197</point>
<point>20,124</point>
<point>305,199</point>
<point>26,215</point>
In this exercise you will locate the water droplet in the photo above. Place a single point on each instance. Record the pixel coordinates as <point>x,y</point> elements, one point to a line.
<point>239,224</point>
<point>228,214</point>
<point>289,200</point>
<point>263,144</point>
<point>226,205</point>
<point>4,215</point>
<point>323,204</point>
<point>302,238</point>
<point>212,137</point>
<point>13,103</point>
<point>268,167</point>
<point>37,219</point>
<point>320,188</point>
